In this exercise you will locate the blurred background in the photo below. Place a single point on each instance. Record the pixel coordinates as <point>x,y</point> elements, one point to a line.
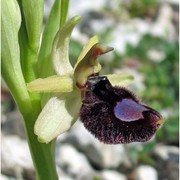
<point>145,37</point>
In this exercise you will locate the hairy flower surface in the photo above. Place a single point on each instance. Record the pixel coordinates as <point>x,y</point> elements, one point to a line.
<point>115,115</point>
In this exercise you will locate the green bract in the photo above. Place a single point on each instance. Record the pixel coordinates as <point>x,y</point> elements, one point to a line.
<point>11,66</point>
<point>62,108</point>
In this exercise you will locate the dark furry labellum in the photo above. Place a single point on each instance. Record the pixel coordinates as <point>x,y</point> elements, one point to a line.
<point>115,115</point>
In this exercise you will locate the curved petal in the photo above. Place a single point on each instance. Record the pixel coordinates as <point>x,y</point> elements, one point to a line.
<point>87,63</point>
<point>57,116</point>
<point>51,84</point>
<point>45,66</point>
<point>60,50</point>
<point>94,40</point>
<point>120,79</point>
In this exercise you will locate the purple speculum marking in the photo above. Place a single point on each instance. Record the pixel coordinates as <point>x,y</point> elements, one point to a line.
<point>129,110</point>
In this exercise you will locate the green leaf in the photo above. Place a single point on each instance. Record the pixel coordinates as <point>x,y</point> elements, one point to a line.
<point>51,84</point>
<point>33,13</point>
<point>29,40</point>
<point>11,68</point>
<point>60,51</point>
<point>57,116</point>
<point>120,79</point>
<point>64,11</point>
<point>45,65</point>
<point>87,63</point>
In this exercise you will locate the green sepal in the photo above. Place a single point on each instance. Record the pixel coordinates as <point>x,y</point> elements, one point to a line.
<point>57,116</point>
<point>60,50</point>
<point>120,79</point>
<point>51,84</point>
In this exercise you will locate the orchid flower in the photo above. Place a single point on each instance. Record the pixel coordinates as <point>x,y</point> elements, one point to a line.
<point>62,109</point>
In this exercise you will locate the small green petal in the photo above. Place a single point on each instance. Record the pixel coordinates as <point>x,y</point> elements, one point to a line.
<point>51,84</point>
<point>57,116</point>
<point>120,79</point>
<point>60,50</point>
<point>87,63</point>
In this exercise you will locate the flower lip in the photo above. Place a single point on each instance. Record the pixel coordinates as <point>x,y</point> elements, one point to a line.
<point>115,115</point>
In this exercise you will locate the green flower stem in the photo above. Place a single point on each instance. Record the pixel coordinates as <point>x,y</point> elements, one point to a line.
<point>42,154</point>
<point>28,56</point>
<point>21,29</point>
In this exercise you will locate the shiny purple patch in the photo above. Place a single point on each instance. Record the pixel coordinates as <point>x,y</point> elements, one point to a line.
<point>129,110</point>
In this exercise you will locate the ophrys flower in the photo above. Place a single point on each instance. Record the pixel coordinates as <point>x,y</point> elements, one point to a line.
<point>71,86</point>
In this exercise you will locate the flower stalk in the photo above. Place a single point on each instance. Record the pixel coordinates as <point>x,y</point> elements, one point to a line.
<point>21,29</point>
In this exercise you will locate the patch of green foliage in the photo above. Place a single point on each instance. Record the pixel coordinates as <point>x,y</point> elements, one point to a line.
<point>161,81</point>
<point>140,8</point>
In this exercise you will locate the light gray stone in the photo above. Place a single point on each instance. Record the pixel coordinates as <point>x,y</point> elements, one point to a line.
<point>144,172</point>
<point>167,152</point>
<point>14,124</point>
<point>112,175</point>
<point>124,33</point>
<point>96,22</point>
<point>163,27</point>
<point>47,7</point>
<point>15,157</point>
<point>101,155</point>
<point>73,162</point>
<point>175,2</point>
<point>156,55</point>
<point>3,177</point>
<point>84,6</point>
<point>112,155</point>
<point>80,138</point>
<point>63,177</point>
<point>168,161</point>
